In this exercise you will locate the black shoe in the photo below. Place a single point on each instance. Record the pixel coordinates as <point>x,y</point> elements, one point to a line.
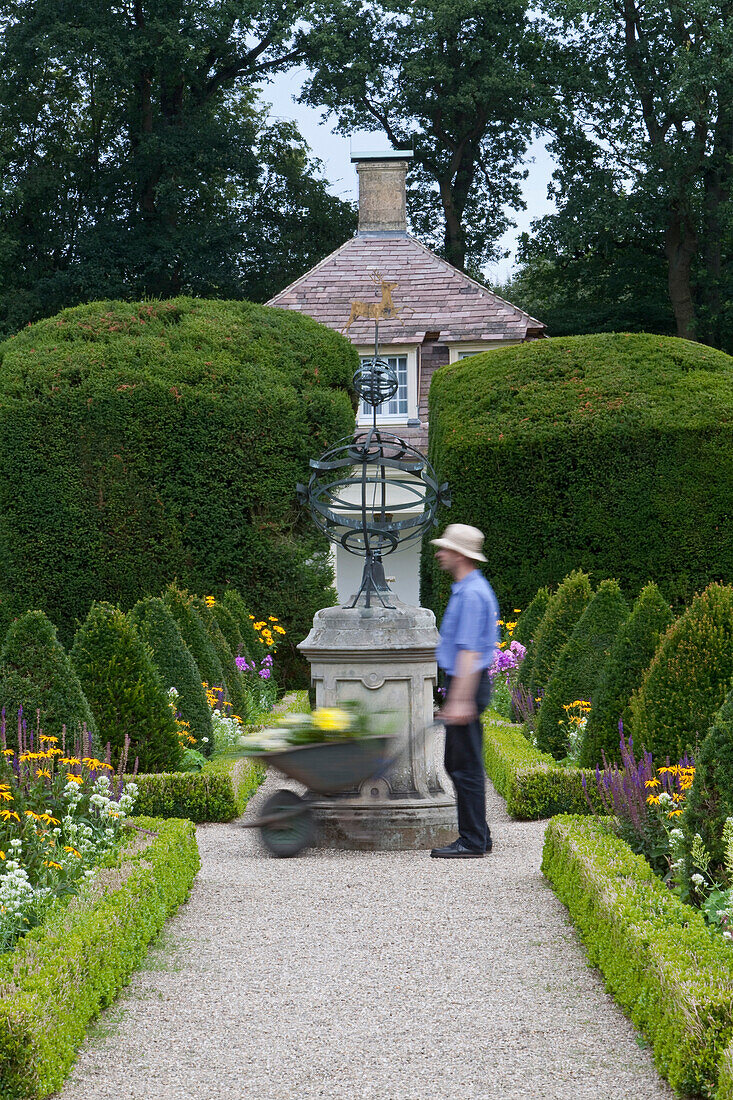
<point>456,850</point>
<point>489,844</point>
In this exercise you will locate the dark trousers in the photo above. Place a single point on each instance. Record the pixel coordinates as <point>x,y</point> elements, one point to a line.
<point>464,762</point>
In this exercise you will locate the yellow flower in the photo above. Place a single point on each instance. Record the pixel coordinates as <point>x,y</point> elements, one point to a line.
<point>209,601</point>
<point>68,848</point>
<point>49,820</point>
<point>517,611</point>
<point>93,764</point>
<point>653,799</point>
<point>7,814</point>
<point>652,782</point>
<point>273,618</point>
<point>43,772</point>
<point>52,863</point>
<point>331,718</point>
<point>8,752</point>
<point>51,740</point>
<point>5,795</point>
<point>30,813</point>
<point>2,855</point>
<point>674,813</point>
<point>69,760</point>
<point>74,778</point>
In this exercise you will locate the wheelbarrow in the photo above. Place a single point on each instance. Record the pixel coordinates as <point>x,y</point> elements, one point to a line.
<point>326,769</point>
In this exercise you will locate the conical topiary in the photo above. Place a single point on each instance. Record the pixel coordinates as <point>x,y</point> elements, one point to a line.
<point>194,634</point>
<point>228,626</point>
<point>36,674</point>
<point>688,678</point>
<point>531,617</point>
<point>710,800</point>
<point>253,646</point>
<point>124,689</point>
<point>564,608</point>
<point>172,657</point>
<point>578,666</point>
<point>630,656</point>
<point>235,691</point>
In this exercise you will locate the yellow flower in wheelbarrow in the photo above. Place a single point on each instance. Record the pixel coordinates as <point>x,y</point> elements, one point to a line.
<point>331,718</point>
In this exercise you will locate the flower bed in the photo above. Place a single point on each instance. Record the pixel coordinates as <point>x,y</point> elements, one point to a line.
<point>219,792</point>
<point>659,959</point>
<point>531,781</point>
<point>62,973</point>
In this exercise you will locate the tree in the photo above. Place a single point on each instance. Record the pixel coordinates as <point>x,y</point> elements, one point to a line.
<point>135,159</point>
<point>651,84</point>
<point>452,79</point>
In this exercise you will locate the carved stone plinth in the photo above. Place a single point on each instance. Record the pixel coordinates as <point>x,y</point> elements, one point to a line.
<point>384,658</point>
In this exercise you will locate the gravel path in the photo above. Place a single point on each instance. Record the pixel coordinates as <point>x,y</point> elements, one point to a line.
<point>351,975</point>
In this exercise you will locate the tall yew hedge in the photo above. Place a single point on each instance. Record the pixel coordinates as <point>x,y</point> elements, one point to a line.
<point>612,453</point>
<point>142,443</point>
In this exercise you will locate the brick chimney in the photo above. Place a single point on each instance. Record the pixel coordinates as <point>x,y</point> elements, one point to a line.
<point>382,192</point>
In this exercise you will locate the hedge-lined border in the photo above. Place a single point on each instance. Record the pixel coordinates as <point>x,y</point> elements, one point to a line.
<point>63,973</point>
<point>530,781</point>
<point>659,959</point>
<point>219,792</point>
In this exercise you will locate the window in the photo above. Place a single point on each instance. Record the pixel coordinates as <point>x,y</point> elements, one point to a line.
<point>464,351</point>
<point>399,405</point>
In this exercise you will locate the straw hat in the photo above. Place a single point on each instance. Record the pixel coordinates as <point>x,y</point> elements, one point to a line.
<point>463,539</point>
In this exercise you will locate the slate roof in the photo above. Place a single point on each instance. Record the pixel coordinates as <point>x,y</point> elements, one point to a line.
<point>434,297</point>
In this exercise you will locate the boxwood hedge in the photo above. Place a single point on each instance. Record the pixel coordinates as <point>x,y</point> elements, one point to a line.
<point>659,959</point>
<point>220,792</point>
<point>144,442</point>
<point>611,452</point>
<point>61,974</point>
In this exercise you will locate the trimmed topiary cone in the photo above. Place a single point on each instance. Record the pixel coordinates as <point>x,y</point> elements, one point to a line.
<point>688,678</point>
<point>531,617</point>
<point>564,608</point>
<point>195,635</point>
<point>630,656</point>
<point>37,674</point>
<point>228,626</point>
<point>124,689</point>
<point>710,799</point>
<point>253,646</point>
<point>174,661</point>
<point>579,664</point>
<point>235,692</point>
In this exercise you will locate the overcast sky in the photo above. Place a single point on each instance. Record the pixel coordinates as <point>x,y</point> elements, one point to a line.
<point>335,152</point>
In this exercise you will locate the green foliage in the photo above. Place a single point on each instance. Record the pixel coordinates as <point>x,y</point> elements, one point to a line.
<point>564,609</point>
<point>579,664</point>
<point>463,95</point>
<point>656,954</point>
<point>161,441</point>
<point>37,674</point>
<point>185,186</point>
<point>631,654</point>
<point>60,976</point>
<point>531,617</point>
<point>613,453</point>
<point>124,689</point>
<point>688,679</point>
<point>710,800</point>
<point>173,659</point>
<point>533,786</point>
<point>219,792</point>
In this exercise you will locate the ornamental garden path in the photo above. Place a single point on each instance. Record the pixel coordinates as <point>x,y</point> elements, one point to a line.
<point>347,974</point>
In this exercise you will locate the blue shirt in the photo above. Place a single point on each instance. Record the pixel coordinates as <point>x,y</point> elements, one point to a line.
<point>470,622</point>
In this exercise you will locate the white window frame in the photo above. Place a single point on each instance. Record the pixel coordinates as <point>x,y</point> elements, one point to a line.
<point>386,352</point>
<point>468,348</point>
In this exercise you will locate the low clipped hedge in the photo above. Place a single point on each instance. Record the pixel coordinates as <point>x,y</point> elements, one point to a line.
<point>659,959</point>
<point>611,452</point>
<point>64,972</point>
<point>219,792</point>
<point>529,780</point>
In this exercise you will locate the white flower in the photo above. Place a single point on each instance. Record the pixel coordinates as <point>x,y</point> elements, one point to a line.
<point>697,879</point>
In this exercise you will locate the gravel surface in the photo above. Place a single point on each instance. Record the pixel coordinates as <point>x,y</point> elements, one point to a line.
<point>354,975</point>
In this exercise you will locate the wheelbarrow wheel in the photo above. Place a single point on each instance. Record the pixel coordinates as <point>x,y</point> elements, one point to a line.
<point>294,832</point>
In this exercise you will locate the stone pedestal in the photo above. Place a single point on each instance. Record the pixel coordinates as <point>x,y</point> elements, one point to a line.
<point>384,658</point>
